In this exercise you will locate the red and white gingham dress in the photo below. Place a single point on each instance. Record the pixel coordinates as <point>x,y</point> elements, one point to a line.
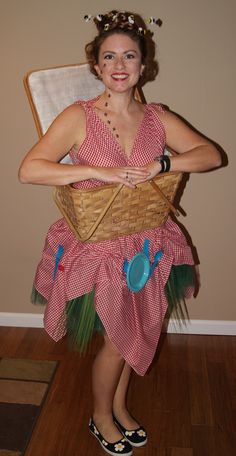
<point>132,321</point>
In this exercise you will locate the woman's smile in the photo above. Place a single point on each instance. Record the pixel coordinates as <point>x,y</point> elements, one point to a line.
<point>120,76</point>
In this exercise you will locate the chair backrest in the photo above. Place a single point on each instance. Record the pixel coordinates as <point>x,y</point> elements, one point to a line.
<point>51,90</point>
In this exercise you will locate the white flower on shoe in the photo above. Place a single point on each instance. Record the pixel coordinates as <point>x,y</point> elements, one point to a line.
<point>104,442</point>
<point>141,433</point>
<point>95,430</point>
<point>119,446</point>
<point>129,433</point>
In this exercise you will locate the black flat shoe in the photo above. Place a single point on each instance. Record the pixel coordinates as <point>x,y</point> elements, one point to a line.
<point>136,437</point>
<point>121,447</point>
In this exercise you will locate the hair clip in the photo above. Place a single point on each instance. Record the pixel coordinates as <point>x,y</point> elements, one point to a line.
<point>106,27</point>
<point>141,31</point>
<point>131,19</point>
<point>99,17</point>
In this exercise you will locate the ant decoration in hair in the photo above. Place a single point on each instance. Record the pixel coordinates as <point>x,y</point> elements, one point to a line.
<point>122,20</point>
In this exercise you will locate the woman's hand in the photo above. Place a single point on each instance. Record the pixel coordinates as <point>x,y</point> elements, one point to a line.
<point>128,175</point>
<point>153,169</point>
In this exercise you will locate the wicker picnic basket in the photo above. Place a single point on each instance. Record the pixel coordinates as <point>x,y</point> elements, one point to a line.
<point>110,211</point>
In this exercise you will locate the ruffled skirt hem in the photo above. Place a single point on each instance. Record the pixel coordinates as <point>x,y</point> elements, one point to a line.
<point>82,320</point>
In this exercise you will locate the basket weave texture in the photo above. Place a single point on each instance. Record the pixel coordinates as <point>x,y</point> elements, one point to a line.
<point>110,211</point>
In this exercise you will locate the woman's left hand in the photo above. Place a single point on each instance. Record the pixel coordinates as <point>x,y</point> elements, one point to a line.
<point>153,168</point>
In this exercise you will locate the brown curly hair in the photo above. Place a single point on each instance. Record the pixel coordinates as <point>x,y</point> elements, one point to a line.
<point>130,24</point>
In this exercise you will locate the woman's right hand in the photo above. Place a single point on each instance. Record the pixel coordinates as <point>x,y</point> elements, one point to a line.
<point>128,175</point>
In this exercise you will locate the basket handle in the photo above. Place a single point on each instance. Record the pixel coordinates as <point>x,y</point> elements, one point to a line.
<point>103,213</point>
<point>109,203</point>
<point>163,196</point>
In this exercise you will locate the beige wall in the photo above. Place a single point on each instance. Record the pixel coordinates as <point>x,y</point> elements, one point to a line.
<point>197,80</point>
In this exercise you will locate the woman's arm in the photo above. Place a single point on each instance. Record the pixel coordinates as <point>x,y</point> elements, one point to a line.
<point>194,152</point>
<point>40,165</point>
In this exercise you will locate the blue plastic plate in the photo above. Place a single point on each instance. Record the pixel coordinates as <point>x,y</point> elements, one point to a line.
<point>138,272</point>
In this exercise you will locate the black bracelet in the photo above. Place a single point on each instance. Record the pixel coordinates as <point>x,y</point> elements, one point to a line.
<point>164,161</point>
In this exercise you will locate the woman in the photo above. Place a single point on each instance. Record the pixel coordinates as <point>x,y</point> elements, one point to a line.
<point>114,139</point>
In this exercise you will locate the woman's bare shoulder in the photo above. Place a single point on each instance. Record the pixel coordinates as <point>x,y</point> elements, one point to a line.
<point>71,122</point>
<point>160,108</point>
<point>165,114</point>
<point>74,112</point>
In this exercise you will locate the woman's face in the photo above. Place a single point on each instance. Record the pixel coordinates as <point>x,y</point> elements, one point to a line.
<point>119,62</point>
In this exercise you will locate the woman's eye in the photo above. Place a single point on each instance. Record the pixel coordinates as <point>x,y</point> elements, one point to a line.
<point>130,56</point>
<point>108,57</point>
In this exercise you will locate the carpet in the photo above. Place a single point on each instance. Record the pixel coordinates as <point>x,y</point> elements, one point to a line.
<point>24,384</point>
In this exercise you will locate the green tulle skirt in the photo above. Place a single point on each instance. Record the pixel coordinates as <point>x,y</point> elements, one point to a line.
<point>82,319</point>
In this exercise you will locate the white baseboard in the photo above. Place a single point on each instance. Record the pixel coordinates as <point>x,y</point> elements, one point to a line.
<point>25,320</point>
<point>207,327</point>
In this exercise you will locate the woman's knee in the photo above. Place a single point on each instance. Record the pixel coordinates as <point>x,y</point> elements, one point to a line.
<point>111,348</point>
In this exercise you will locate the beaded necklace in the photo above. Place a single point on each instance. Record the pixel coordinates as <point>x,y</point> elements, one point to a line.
<point>108,121</point>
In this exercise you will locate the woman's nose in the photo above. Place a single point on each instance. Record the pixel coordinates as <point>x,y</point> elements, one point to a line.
<point>120,63</point>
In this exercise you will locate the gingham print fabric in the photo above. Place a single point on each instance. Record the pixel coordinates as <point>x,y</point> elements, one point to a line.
<point>132,321</point>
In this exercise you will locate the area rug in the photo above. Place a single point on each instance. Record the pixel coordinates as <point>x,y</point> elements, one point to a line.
<point>24,384</point>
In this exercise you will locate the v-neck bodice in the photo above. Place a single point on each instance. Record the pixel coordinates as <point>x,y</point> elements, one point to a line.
<point>101,148</point>
<point>128,156</point>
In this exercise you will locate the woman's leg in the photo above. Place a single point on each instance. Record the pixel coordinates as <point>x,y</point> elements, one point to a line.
<point>120,400</point>
<point>106,373</point>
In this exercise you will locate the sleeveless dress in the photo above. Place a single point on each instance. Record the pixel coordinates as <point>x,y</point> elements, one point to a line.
<point>132,321</point>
